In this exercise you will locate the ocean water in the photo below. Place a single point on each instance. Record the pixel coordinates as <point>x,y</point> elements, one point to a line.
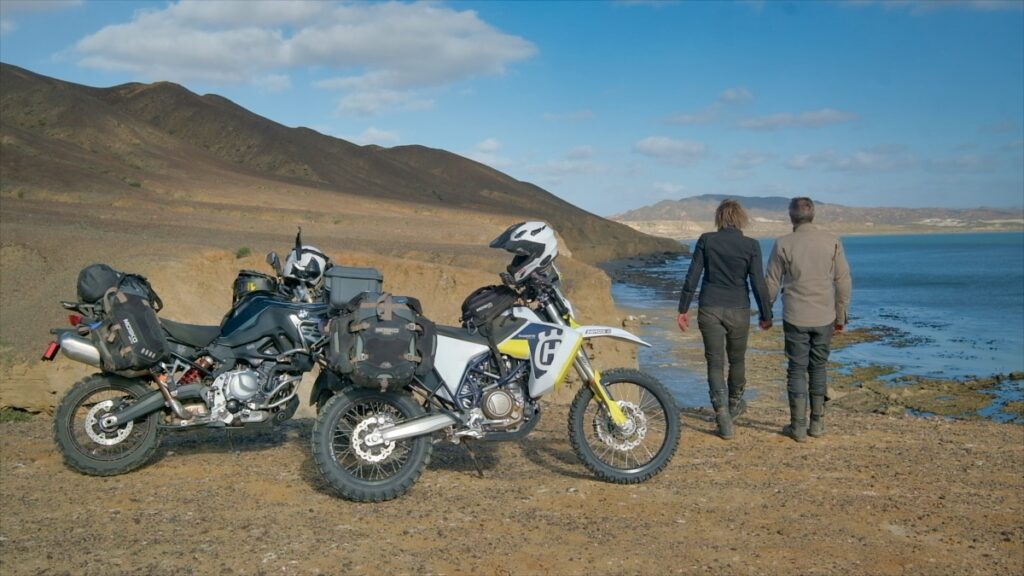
<point>953,304</point>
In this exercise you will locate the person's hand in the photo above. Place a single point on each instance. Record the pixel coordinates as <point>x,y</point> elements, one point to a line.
<point>684,322</point>
<point>839,327</point>
<point>765,324</point>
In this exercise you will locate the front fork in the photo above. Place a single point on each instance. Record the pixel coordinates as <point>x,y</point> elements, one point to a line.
<point>587,372</point>
<point>593,379</point>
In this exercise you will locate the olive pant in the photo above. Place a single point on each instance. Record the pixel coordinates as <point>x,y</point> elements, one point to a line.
<point>807,349</point>
<point>725,332</point>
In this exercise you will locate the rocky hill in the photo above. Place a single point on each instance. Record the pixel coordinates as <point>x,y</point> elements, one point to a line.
<point>59,135</point>
<point>686,217</point>
<point>188,189</point>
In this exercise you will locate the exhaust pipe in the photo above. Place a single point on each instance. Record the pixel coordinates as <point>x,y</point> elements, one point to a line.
<point>79,349</point>
<point>418,427</point>
<point>151,402</point>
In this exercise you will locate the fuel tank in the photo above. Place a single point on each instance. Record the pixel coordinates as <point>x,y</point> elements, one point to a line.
<point>258,316</point>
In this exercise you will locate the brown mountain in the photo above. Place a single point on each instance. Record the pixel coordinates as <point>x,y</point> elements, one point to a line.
<point>686,217</point>
<point>57,134</point>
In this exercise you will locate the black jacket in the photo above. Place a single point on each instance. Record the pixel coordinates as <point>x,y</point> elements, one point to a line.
<point>727,259</point>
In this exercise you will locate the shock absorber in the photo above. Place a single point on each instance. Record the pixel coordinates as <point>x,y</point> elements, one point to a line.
<point>195,373</point>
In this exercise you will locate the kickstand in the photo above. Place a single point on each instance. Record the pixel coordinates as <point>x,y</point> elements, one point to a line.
<point>472,456</point>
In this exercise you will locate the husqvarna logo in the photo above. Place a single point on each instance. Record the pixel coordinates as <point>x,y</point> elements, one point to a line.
<point>544,351</point>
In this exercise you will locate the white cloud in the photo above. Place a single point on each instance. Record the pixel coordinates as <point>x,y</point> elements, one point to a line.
<point>580,153</point>
<point>374,135</point>
<point>9,7</point>
<point>366,102</point>
<point>486,152</point>
<point>966,164</point>
<point>735,96</point>
<point>872,160</point>
<point>575,116</point>
<point>679,152</point>
<point>669,189</point>
<point>728,97</point>
<point>383,54</point>
<point>814,119</point>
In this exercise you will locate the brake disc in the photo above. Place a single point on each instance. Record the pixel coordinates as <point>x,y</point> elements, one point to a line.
<point>629,435</point>
<point>96,434</point>
<point>375,453</point>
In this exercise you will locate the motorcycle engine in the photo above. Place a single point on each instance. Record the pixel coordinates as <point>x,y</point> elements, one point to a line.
<point>239,385</point>
<point>503,404</point>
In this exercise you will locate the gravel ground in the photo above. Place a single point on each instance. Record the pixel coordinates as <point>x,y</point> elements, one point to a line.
<point>878,495</point>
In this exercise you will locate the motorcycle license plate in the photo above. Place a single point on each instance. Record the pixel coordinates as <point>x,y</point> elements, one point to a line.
<point>51,351</point>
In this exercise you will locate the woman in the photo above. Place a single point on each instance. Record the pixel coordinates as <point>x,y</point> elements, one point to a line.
<point>727,260</point>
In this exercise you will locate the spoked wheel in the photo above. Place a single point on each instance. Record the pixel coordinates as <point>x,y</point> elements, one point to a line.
<point>637,450</point>
<point>352,463</point>
<point>86,444</point>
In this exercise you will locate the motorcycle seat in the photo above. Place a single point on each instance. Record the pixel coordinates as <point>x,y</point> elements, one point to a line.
<point>459,333</point>
<point>191,334</point>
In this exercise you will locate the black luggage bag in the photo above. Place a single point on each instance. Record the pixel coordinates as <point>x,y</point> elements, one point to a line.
<point>382,341</point>
<point>129,337</point>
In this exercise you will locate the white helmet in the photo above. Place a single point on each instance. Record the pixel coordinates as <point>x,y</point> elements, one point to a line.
<point>533,243</point>
<point>305,264</point>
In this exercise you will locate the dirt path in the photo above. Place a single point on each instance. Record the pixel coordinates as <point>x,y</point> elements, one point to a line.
<point>879,495</point>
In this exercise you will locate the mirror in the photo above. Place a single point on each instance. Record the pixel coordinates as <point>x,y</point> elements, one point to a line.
<point>274,261</point>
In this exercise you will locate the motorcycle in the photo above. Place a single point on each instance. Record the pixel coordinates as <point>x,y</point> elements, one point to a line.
<point>246,371</point>
<point>373,444</point>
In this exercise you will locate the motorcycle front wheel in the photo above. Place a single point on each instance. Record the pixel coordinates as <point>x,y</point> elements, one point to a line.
<point>639,449</point>
<point>89,448</point>
<point>360,471</point>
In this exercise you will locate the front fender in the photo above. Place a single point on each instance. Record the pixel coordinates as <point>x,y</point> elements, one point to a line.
<point>608,332</point>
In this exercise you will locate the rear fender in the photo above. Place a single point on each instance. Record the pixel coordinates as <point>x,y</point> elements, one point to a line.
<point>589,332</point>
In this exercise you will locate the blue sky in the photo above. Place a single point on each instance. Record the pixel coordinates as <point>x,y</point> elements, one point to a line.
<point>609,105</point>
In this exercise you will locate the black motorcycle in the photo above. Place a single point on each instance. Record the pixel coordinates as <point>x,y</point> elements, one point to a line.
<point>246,371</point>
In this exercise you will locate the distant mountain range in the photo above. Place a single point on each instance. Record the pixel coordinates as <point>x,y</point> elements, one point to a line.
<point>65,137</point>
<point>684,217</point>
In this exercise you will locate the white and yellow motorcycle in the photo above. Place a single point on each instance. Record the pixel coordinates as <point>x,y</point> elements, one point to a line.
<point>372,445</point>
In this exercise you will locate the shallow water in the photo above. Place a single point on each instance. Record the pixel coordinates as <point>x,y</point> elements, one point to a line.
<point>953,302</point>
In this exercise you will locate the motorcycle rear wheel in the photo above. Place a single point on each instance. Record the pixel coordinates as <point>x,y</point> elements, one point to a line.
<point>88,448</point>
<point>358,471</point>
<point>638,451</point>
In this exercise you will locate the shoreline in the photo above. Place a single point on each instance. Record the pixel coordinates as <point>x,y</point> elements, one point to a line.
<point>865,388</point>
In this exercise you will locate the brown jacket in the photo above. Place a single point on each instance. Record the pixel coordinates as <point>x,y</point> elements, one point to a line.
<point>810,267</point>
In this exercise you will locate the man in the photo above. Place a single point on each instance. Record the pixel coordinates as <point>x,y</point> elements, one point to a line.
<point>810,267</point>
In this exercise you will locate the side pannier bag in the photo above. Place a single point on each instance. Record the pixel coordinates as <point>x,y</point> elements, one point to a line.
<point>382,341</point>
<point>485,305</point>
<point>129,339</point>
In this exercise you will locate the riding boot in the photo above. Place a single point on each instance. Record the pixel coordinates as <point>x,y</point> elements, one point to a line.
<point>737,406</point>
<point>797,427</point>
<point>817,428</point>
<point>724,422</point>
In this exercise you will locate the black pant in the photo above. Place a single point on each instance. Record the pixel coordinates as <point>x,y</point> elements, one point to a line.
<point>807,350</point>
<point>725,332</point>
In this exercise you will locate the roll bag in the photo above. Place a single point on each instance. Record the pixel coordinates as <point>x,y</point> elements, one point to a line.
<point>95,280</point>
<point>382,341</point>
